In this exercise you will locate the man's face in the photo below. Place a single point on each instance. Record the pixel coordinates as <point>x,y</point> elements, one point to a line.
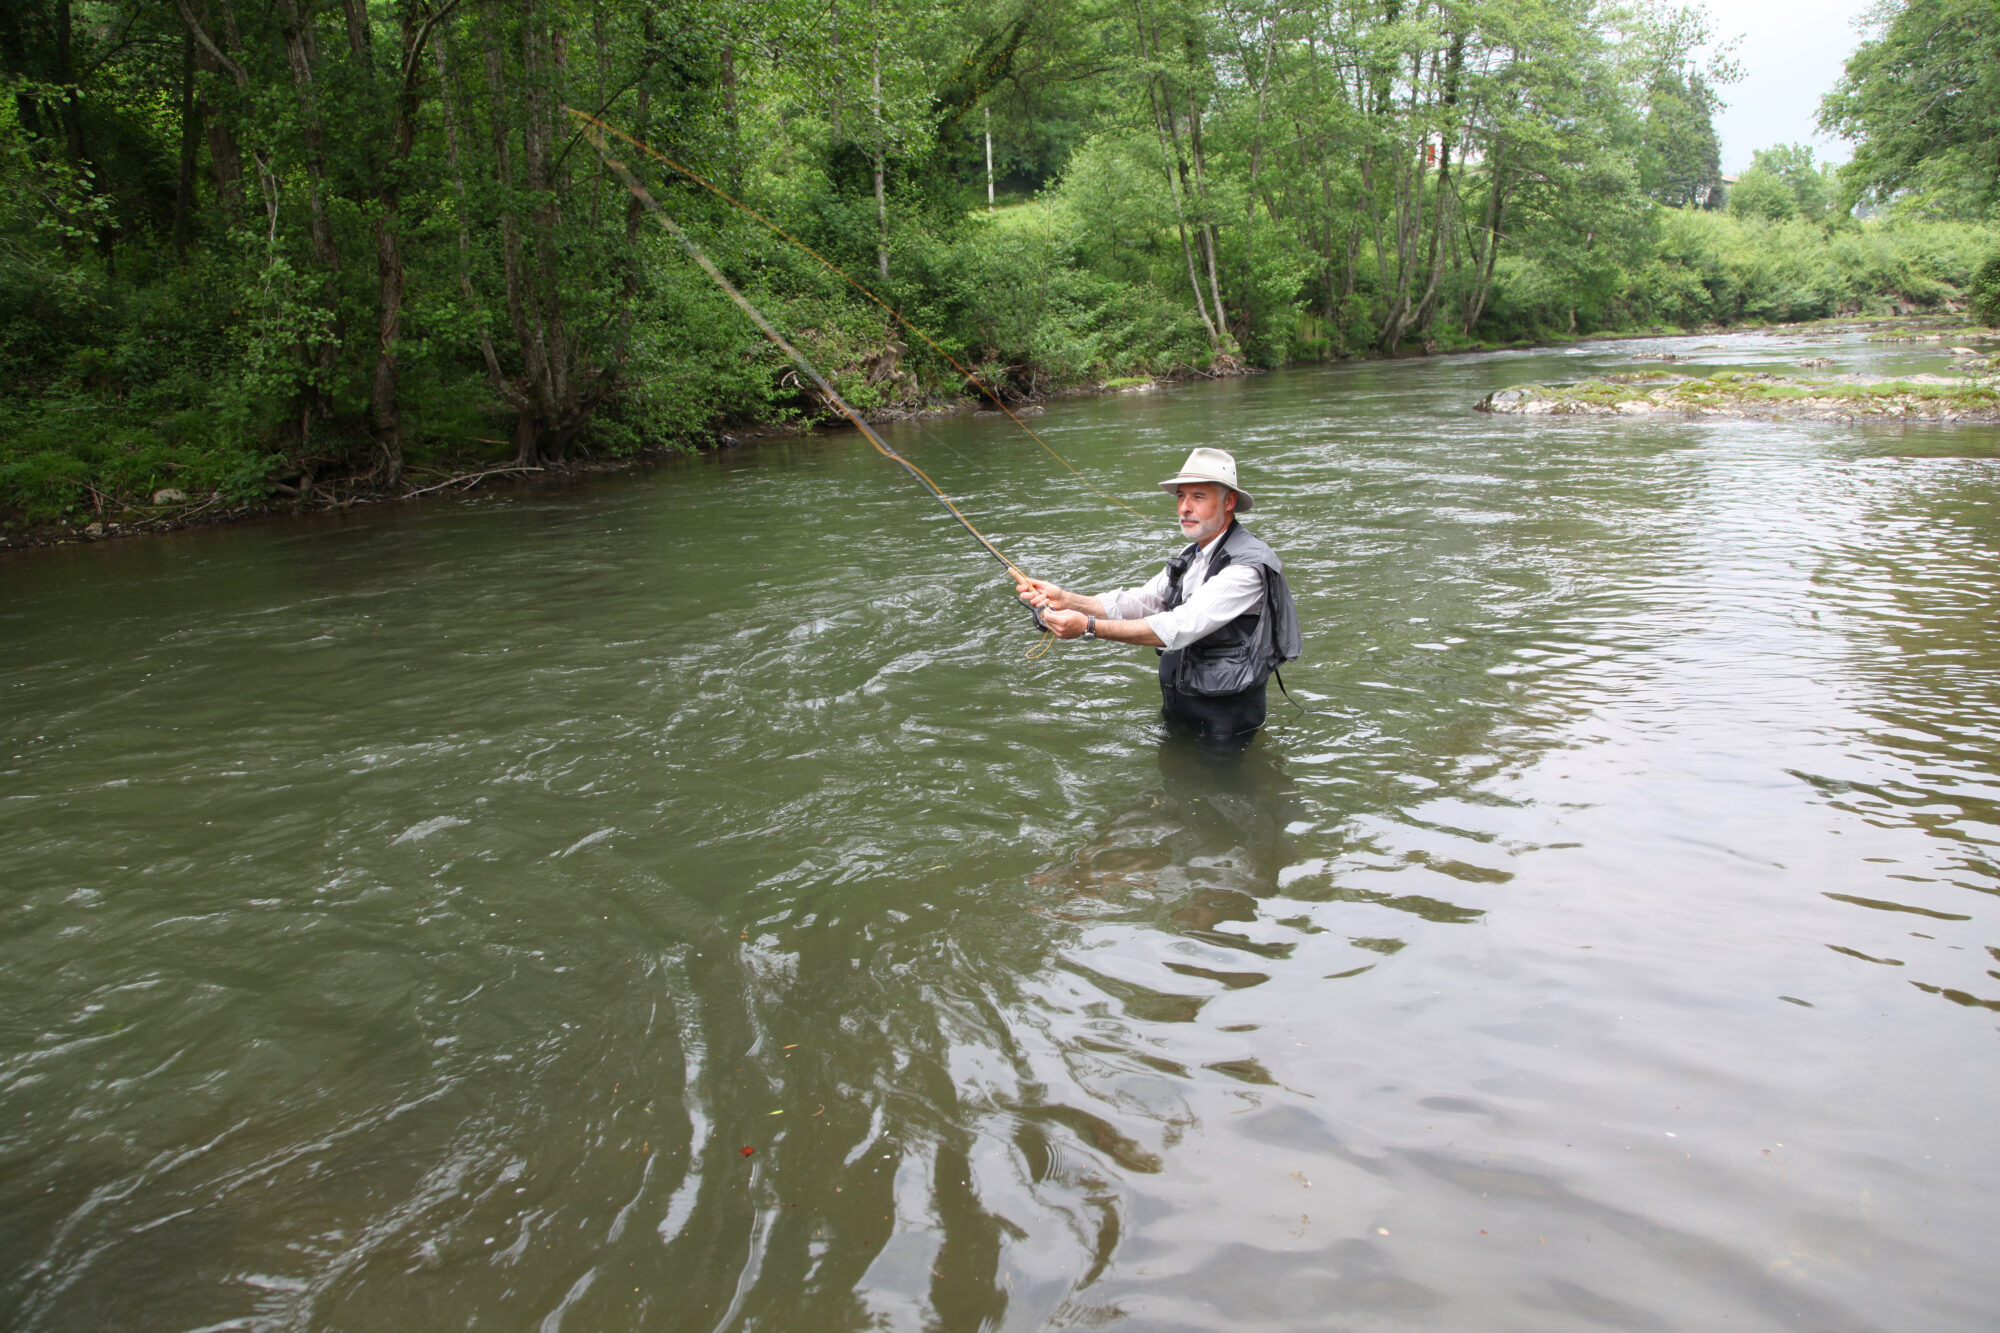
<point>1205,509</point>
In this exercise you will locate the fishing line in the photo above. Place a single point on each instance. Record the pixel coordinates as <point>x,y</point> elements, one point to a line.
<point>765,326</point>
<point>841,273</point>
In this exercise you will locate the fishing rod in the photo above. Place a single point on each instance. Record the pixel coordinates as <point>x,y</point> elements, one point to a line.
<point>591,127</point>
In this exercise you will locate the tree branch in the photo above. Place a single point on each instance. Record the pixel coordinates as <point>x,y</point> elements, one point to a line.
<point>208,44</point>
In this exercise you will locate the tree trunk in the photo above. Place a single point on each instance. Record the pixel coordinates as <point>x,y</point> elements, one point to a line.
<point>1149,45</point>
<point>557,392</point>
<point>384,407</point>
<point>1181,225</point>
<point>224,157</point>
<point>299,54</point>
<point>1442,212</point>
<point>1257,154</point>
<point>642,127</point>
<point>733,164</point>
<point>881,133</point>
<point>1488,253</point>
<point>834,94</point>
<point>69,104</point>
<point>69,114</point>
<point>321,352</point>
<point>453,157</point>
<point>384,421</point>
<point>532,395</point>
<point>534,305</point>
<point>190,111</point>
<point>1200,164</point>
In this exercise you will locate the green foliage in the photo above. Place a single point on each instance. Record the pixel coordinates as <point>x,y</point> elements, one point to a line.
<point>1781,184</point>
<point>1921,99</point>
<point>693,364</point>
<point>1764,196</point>
<point>1272,270</point>
<point>1681,162</point>
<point>1711,268</point>
<point>1984,296</point>
<point>122,390</point>
<point>1023,305</point>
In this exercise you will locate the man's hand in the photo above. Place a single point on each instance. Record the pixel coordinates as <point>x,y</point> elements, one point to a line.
<point>1065,624</point>
<point>1065,613</point>
<point>1044,596</point>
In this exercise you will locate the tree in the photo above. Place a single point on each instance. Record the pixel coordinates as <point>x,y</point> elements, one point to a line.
<point>1781,183</point>
<point>1921,101</point>
<point>1680,156</point>
<point>1763,195</point>
<point>1680,163</point>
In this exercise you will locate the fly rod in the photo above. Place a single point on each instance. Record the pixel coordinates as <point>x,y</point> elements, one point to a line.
<point>778,340</point>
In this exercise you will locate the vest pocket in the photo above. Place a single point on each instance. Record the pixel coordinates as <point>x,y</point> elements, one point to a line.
<point>1227,670</point>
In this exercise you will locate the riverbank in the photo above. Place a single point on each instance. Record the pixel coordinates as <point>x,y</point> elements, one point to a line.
<point>1652,392</point>
<point>119,519</point>
<point>298,495</point>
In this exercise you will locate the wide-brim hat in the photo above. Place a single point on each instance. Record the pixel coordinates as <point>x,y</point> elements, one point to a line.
<point>1213,465</point>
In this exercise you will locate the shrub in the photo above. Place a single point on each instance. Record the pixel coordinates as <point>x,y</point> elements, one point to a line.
<point>1985,291</point>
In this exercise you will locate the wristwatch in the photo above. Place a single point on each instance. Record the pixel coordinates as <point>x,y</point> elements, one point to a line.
<point>1090,627</point>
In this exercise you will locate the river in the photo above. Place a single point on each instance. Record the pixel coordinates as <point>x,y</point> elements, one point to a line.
<point>685,901</point>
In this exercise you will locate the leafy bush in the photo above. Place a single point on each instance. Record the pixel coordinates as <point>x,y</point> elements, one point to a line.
<point>1710,268</point>
<point>1762,195</point>
<point>1985,291</point>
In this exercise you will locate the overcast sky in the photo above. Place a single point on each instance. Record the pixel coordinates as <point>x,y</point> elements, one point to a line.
<point>1791,53</point>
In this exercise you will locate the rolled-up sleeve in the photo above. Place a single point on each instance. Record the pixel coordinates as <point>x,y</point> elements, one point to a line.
<point>1220,599</point>
<point>1136,603</point>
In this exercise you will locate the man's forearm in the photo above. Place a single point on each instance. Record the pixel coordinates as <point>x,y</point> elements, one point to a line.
<point>1076,601</point>
<point>1127,631</point>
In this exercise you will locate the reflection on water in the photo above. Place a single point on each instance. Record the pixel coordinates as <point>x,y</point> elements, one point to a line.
<point>1219,819</point>
<point>681,903</point>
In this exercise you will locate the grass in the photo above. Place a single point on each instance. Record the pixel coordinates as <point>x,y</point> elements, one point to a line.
<point>1019,215</point>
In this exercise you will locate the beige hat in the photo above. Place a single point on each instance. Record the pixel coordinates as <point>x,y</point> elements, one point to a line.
<point>1211,465</point>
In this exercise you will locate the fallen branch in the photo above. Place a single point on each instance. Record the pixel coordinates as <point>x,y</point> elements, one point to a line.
<point>466,477</point>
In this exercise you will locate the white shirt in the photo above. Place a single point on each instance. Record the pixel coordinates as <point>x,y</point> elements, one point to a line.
<point>1207,605</point>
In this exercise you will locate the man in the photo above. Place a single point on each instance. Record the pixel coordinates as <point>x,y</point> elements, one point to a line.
<point>1220,611</point>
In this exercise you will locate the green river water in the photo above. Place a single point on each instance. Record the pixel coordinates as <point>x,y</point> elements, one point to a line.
<point>416,919</point>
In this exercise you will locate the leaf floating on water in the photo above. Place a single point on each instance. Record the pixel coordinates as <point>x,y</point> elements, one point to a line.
<point>746,1150</point>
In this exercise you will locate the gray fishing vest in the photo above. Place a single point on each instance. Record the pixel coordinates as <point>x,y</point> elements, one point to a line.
<point>1242,654</point>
